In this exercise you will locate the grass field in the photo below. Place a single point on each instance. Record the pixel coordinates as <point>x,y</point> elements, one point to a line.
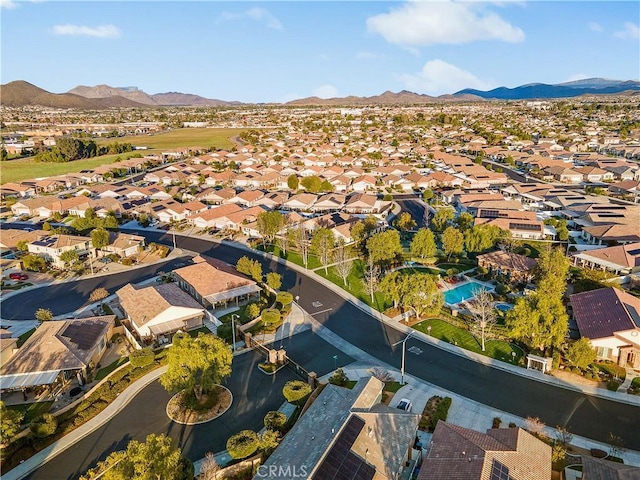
<point>27,168</point>
<point>497,349</point>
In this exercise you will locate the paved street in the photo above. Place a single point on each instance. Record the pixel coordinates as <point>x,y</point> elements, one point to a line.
<point>584,415</point>
<point>254,395</point>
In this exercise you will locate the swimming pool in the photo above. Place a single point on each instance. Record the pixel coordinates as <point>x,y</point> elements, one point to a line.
<point>504,307</point>
<point>463,292</point>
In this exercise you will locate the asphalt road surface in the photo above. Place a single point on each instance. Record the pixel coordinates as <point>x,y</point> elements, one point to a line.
<point>584,415</point>
<point>415,207</point>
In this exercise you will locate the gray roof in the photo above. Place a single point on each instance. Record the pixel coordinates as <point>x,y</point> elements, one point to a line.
<point>602,312</point>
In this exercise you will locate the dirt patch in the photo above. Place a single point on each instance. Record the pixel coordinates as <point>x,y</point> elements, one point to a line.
<point>220,403</point>
<point>579,379</point>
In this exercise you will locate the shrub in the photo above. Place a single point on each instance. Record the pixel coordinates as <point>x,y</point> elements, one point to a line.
<point>338,378</point>
<point>270,316</point>
<point>243,444</point>
<point>296,391</point>
<point>496,422</point>
<point>555,362</point>
<point>127,261</point>
<point>613,385</point>
<point>253,310</point>
<point>284,298</point>
<point>442,410</point>
<point>142,358</point>
<point>275,420</point>
<point>43,425</point>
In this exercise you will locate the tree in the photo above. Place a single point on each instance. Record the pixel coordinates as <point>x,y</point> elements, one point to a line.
<point>210,468</point>
<point>371,277</point>
<point>34,263</point>
<point>344,263</point>
<point>253,310</point>
<point>275,420</point>
<point>464,221</point>
<point>293,182</point>
<point>141,358</point>
<point>10,421</point>
<point>43,425</point>
<point>90,213</point>
<point>405,222</point>
<point>153,459</point>
<point>483,237</point>
<point>269,224</point>
<point>381,374</point>
<point>70,148</point>
<point>269,441</point>
<point>483,313</point>
<point>427,195</point>
<point>581,353</point>
<point>43,315</point>
<point>562,230</point>
<point>301,239</point>
<point>441,219</point>
<point>392,285</point>
<point>312,183</point>
<point>384,247</point>
<point>326,186</point>
<point>270,317</point>
<point>423,244</point>
<point>284,298</point>
<point>22,246</point>
<point>534,425</point>
<point>99,238</point>
<point>98,294</point>
<point>243,444</point>
<point>274,280</point>
<point>46,226</point>
<point>422,294</point>
<point>358,232</point>
<point>322,244</point>
<point>69,256</point>
<point>251,268</point>
<point>196,364</point>
<point>452,242</point>
<point>296,391</point>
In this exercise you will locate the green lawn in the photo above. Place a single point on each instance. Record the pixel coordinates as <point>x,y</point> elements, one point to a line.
<point>105,371</point>
<point>32,410</point>
<point>27,168</point>
<point>25,336</point>
<point>355,286</point>
<point>498,349</point>
<point>291,256</point>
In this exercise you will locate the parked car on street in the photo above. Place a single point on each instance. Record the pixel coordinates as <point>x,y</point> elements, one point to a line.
<point>18,276</point>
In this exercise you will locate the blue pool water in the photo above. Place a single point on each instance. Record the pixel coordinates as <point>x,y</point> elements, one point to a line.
<point>503,307</point>
<point>463,292</point>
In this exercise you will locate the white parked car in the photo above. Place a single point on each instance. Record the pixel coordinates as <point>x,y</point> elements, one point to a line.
<point>404,404</point>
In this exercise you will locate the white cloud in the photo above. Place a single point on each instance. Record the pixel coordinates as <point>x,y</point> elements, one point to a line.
<point>595,26</point>
<point>258,14</point>
<point>438,77</point>
<point>325,91</point>
<point>630,30</point>
<point>435,22</point>
<point>8,4</point>
<point>101,31</point>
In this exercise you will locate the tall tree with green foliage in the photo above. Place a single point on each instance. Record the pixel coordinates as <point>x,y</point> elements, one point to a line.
<point>269,224</point>
<point>10,421</point>
<point>99,238</point>
<point>251,268</point>
<point>581,353</point>
<point>312,183</point>
<point>422,294</point>
<point>274,280</point>
<point>384,247</point>
<point>293,182</point>
<point>196,364</point>
<point>480,238</point>
<point>322,245</point>
<point>540,320</point>
<point>452,242</point>
<point>442,219</point>
<point>34,263</point>
<point>69,257</point>
<point>464,221</point>
<point>153,459</point>
<point>393,286</point>
<point>423,244</point>
<point>404,222</point>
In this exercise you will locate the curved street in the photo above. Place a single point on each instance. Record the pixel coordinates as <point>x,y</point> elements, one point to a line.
<point>582,414</point>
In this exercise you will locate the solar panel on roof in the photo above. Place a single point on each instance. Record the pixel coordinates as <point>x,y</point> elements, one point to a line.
<point>633,313</point>
<point>83,334</point>
<point>499,471</point>
<point>634,252</point>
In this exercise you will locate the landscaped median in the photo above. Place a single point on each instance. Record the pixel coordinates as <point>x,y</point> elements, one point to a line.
<point>24,446</point>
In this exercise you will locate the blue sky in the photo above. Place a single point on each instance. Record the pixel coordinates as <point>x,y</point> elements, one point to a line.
<point>279,51</point>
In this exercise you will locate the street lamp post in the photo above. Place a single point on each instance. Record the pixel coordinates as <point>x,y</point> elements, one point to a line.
<point>404,343</point>
<point>233,331</point>
<point>335,362</point>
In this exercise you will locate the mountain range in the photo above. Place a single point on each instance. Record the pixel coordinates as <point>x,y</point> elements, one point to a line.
<point>20,93</point>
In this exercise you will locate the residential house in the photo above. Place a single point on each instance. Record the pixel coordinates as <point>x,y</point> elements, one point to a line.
<point>301,201</point>
<point>609,318</point>
<point>53,246</point>
<point>500,453</point>
<point>594,174</point>
<point>517,268</point>
<point>158,311</point>
<point>122,244</point>
<point>629,189</point>
<point>216,217</point>
<point>216,197</point>
<point>58,350</point>
<point>520,224</point>
<point>17,190</point>
<point>601,469</point>
<point>564,174</point>
<point>619,259</point>
<point>363,183</point>
<point>247,198</point>
<point>215,284</point>
<point>348,434</point>
<point>362,203</point>
<point>273,200</point>
<point>11,237</point>
<point>329,202</point>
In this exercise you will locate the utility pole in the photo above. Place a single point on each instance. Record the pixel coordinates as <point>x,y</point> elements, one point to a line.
<point>404,343</point>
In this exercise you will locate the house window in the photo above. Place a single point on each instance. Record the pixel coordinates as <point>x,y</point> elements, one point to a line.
<point>602,352</point>
<point>102,343</point>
